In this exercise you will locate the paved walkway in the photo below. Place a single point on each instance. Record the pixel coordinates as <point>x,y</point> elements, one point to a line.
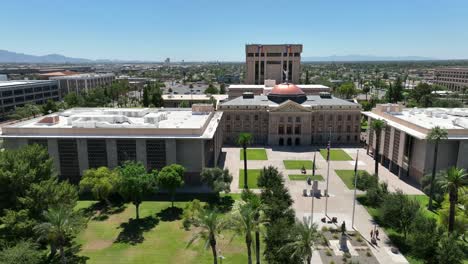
<point>340,202</point>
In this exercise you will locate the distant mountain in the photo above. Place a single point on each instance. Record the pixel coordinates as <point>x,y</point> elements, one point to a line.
<point>366,58</point>
<point>13,57</point>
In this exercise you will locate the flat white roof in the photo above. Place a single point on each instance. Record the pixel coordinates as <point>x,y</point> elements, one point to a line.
<point>20,82</point>
<point>177,97</point>
<point>262,86</point>
<point>83,76</point>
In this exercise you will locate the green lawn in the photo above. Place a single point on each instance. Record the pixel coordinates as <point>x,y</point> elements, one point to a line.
<point>297,164</point>
<point>254,154</point>
<point>347,176</point>
<point>252,177</point>
<point>303,177</point>
<point>159,239</point>
<point>336,154</point>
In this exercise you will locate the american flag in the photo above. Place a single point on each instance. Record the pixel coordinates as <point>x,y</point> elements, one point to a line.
<point>355,166</point>
<point>328,148</point>
<point>313,166</point>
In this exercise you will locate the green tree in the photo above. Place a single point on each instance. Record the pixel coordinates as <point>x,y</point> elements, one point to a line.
<point>398,211</point>
<point>211,89</point>
<point>377,126</point>
<point>366,90</point>
<point>184,104</point>
<point>49,106</point>
<point>60,225</point>
<point>450,250</point>
<point>254,202</point>
<point>72,99</point>
<point>439,193</point>
<point>453,180</point>
<point>222,88</point>
<point>101,182</point>
<point>422,95</point>
<point>170,178</point>
<point>24,252</point>
<point>134,183</point>
<point>424,229</point>
<point>145,97</point>
<point>461,216</point>
<point>395,92</point>
<point>209,225</point>
<point>347,89</point>
<point>244,140</point>
<point>435,136</point>
<point>305,236</point>
<point>217,179</point>
<point>307,79</point>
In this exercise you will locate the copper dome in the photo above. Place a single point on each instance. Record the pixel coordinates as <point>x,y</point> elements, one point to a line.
<point>286,89</point>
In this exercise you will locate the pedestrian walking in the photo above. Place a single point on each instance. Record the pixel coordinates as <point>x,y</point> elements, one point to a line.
<point>377,233</point>
<point>372,234</point>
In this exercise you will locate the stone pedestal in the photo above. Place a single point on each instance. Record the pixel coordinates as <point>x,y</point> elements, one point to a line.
<point>343,243</point>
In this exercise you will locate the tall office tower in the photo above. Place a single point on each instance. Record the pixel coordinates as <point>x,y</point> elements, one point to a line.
<point>273,62</point>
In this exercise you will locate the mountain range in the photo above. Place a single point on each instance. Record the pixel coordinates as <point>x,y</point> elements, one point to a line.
<point>14,57</point>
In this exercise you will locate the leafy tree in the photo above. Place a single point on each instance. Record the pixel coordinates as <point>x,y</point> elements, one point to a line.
<point>245,222</point>
<point>170,178</point>
<point>450,250</point>
<point>217,179</point>
<point>72,99</point>
<point>366,181</point>
<point>134,183</point>
<point>60,225</point>
<point>385,76</point>
<point>184,104</point>
<point>305,236</point>
<point>222,88</point>
<point>439,193</point>
<point>453,180</point>
<point>24,252</point>
<point>211,89</point>
<point>101,182</point>
<point>26,111</point>
<point>50,106</point>
<point>376,195</point>
<point>209,225</point>
<point>424,237</point>
<point>244,140</point>
<point>435,136</point>
<point>377,126</point>
<point>422,95</point>
<point>347,89</point>
<point>190,212</point>
<point>395,92</point>
<point>398,211</point>
<point>366,90</point>
<point>145,97</point>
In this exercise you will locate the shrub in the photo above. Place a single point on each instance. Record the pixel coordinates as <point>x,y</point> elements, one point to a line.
<point>328,253</point>
<point>368,253</point>
<point>398,211</point>
<point>365,181</point>
<point>376,195</point>
<point>324,229</point>
<point>424,237</point>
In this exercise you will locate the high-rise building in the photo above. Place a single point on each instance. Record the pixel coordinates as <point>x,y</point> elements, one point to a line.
<point>273,62</point>
<point>455,79</point>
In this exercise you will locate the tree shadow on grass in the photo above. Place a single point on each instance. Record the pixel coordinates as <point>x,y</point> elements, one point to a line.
<point>101,211</point>
<point>132,232</point>
<point>170,214</point>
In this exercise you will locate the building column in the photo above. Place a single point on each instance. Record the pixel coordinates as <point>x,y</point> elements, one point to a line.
<point>82,146</point>
<point>52,147</point>
<point>171,147</point>
<point>141,151</point>
<point>111,147</point>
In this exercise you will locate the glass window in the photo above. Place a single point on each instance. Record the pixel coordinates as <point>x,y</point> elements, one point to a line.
<point>298,119</point>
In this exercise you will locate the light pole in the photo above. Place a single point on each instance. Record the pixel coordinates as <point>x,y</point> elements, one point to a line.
<point>355,187</point>
<point>328,172</point>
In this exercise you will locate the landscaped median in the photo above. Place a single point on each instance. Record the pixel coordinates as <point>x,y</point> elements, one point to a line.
<point>303,177</point>
<point>252,178</point>
<point>347,176</point>
<point>297,164</point>
<point>336,155</point>
<point>254,154</point>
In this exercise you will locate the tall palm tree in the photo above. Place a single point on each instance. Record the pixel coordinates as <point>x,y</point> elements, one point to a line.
<point>244,221</point>
<point>452,181</point>
<point>244,140</point>
<point>377,126</point>
<point>59,225</point>
<point>306,235</point>
<point>210,225</point>
<point>435,135</point>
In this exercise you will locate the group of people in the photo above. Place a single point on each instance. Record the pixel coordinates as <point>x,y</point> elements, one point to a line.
<point>374,234</point>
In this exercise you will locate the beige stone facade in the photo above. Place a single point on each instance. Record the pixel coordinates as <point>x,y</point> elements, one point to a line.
<point>455,79</point>
<point>270,62</point>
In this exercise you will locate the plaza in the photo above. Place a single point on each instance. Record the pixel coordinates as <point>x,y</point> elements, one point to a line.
<point>340,201</point>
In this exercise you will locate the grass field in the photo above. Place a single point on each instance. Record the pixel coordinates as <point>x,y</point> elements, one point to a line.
<point>252,176</point>
<point>336,154</point>
<point>157,238</point>
<point>297,164</point>
<point>303,177</point>
<point>254,154</point>
<point>347,176</point>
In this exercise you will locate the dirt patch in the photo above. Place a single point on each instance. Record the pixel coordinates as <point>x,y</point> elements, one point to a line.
<point>97,245</point>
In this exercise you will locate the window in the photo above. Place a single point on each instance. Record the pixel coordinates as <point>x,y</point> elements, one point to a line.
<point>297,129</point>
<point>330,118</point>
<point>348,129</point>
<point>357,117</point>
<point>228,128</point>
<point>339,117</point>
<point>281,129</point>
<point>348,138</point>
<point>237,117</point>
<point>321,118</point>
<point>228,117</point>
<point>256,117</point>
<point>298,119</point>
<point>349,118</point>
<point>289,130</point>
<point>339,129</point>
<point>247,118</point>
<point>289,119</point>
<point>281,119</point>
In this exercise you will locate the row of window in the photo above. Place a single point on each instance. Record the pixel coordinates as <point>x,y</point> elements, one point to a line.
<point>297,118</point>
<point>273,54</point>
<point>27,90</point>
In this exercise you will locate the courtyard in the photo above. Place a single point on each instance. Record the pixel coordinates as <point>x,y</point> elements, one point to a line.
<point>290,160</point>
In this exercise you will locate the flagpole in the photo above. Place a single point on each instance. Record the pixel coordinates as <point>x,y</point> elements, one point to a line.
<point>355,187</point>
<point>328,173</point>
<point>313,193</point>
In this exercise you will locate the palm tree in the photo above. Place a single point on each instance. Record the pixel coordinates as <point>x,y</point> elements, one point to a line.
<point>304,240</point>
<point>452,181</point>
<point>377,126</point>
<point>245,221</point>
<point>435,135</point>
<point>60,225</point>
<point>244,140</point>
<point>210,224</point>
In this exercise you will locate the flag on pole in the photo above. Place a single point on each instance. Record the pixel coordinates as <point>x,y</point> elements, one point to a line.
<point>313,165</point>
<point>328,148</point>
<point>355,165</point>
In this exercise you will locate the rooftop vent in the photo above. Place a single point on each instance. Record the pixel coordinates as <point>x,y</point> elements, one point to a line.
<point>248,95</point>
<point>325,95</point>
<point>49,120</point>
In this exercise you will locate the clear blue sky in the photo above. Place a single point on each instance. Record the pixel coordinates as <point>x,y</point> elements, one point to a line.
<point>219,29</point>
